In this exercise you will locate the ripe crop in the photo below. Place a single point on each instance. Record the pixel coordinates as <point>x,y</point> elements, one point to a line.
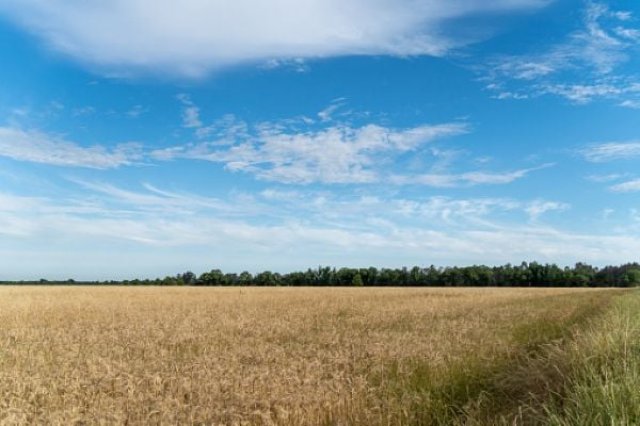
<point>151,355</point>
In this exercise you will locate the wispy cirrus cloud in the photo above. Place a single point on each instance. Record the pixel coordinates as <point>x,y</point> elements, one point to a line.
<point>459,213</point>
<point>610,151</point>
<point>153,199</point>
<point>537,208</point>
<point>604,178</point>
<point>366,228</point>
<point>443,180</point>
<point>607,89</point>
<point>584,67</point>
<point>477,210</point>
<point>136,111</point>
<point>594,46</point>
<point>628,186</point>
<point>629,103</point>
<point>38,147</point>
<point>199,36</point>
<point>190,113</point>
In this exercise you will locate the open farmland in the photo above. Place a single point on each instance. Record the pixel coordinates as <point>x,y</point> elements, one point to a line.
<point>280,356</point>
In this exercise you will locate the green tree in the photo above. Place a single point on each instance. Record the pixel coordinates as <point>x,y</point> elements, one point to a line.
<point>245,278</point>
<point>213,277</point>
<point>631,278</point>
<point>189,278</point>
<point>357,280</point>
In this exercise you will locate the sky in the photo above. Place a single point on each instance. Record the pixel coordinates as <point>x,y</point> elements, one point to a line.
<point>142,138</point>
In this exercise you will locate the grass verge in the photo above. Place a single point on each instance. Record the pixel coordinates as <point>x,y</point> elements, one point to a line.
<point>602,386</point>
<point>526,385</point>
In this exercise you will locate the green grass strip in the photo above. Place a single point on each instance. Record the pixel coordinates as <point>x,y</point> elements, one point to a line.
<point>513,389</point>
<point>602,386</point>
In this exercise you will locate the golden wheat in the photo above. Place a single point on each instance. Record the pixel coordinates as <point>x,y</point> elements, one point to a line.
<point>93,355</point>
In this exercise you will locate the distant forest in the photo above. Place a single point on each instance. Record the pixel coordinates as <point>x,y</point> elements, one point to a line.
<point>524,275</point>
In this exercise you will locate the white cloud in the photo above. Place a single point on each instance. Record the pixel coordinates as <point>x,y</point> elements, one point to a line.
<point>474,211</point>
<point>606,178</point>
<point>196,36</point>
<point>582,68</point>
<point>582,94</point>
<point>436,211</point>
<point>611,151</point>
<point>298,65</point>
<point>526,69</point>
<point>287,151</point>
<point>291,205</point>
<point>125,225</point>
<point>453,210</point>
<point>190,113</point>
<point>628,33</point>
<point>136,111</point>
<point>326,114</point>
<point>154,199</point>
<point>538,207</point>
<point>628,186</point>
<point>83,111</point>
<point>511,95</point>
<point>585,93</point>
<point>592,46</point>
<point>465,179</point>
<point>633,104</point>
<point>38,147</point>
<point>225,131</point>
<point>337,154</point>
<point>281,195</point>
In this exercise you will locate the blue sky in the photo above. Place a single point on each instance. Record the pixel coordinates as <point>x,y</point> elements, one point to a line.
<point>139,139</point>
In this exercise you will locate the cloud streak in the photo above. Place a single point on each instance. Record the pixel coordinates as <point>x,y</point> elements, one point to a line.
<point>39,147</point>
<point>628,186</point>
<point>611,151</point>
<point>465,179</point>
<point>539,207</point>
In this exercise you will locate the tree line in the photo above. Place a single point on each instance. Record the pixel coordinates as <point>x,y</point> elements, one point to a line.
<point>524,275</point>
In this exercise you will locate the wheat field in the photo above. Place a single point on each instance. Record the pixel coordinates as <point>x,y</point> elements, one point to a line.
<point>241,356</point>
